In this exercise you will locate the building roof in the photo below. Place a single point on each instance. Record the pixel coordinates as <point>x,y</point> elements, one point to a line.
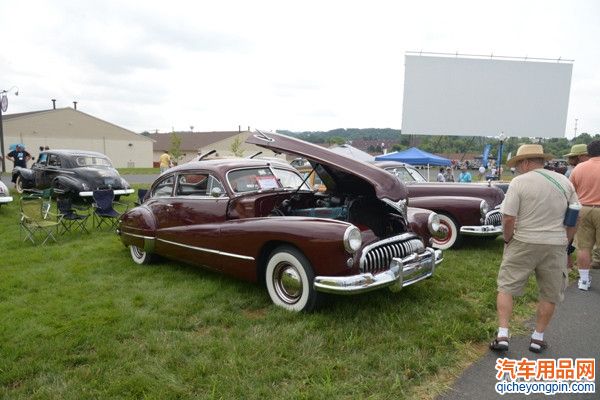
<point>23,114</point>
<point>191,141</point>
<point>63,110</point>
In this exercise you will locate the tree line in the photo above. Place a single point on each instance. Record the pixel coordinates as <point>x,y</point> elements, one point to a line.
<point>436,144</point>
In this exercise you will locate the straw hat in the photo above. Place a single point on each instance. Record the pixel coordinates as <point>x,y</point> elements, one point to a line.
<point>577,150</point>
<point>529,151</point>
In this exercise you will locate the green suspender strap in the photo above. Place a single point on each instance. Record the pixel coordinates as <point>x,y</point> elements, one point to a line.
<point>558,185</point>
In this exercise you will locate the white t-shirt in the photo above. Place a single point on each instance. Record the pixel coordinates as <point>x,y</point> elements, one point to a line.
<point>539,206</point>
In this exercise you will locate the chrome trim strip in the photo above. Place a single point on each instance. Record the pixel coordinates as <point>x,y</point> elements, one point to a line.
<point>138,236</point>
<point>6,199</point>
<point>117,192</point>
<point>222,253</point>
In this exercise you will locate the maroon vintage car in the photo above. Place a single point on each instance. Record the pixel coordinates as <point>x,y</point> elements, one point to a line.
<point>258,220</point>
<point>465,209</point>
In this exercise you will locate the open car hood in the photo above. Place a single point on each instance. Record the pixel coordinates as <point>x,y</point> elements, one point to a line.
<point>338,172</point>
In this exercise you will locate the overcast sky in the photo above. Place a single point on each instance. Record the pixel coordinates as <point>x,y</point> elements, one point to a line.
<point>303,65</point>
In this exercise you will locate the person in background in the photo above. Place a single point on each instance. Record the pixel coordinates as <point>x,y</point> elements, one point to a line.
<point>440,176</point>
<point>585,179</point>
<point>47,148</point>
<point>465,175</point>
<point>578,154</point>
<point>165,161</point>
<point>19,157</point>
<point>448,175</point>
<point>535,242</point>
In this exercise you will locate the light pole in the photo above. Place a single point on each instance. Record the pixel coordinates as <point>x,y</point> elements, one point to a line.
<point>3,108</point>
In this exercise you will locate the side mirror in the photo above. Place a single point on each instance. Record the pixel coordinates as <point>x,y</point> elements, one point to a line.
<point>216,192</point>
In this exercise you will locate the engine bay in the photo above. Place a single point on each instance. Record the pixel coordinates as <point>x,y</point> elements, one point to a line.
<point>366,212</point>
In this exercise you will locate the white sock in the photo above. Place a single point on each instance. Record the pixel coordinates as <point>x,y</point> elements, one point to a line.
<point>537,336</point>
<point>584,274</point>
<point>502,332</point>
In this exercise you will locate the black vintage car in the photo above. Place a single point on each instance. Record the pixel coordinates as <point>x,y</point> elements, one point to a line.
<point>74,172</point>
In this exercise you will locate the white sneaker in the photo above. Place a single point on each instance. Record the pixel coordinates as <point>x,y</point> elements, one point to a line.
<point>584,285</point>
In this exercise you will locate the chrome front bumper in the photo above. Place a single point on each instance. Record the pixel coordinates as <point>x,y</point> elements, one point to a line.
<point>481,230</point>
<point>117,192</point>
<point>5,199</point>
<point>402,272</point>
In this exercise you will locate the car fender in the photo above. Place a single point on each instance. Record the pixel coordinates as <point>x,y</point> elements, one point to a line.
<point>27,176</point>
<point>418,219</point>
<point>138,227</point>
<point>464,210</point>
<point>68,184</point>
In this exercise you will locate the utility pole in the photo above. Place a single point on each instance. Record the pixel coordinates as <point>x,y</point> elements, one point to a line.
<point>575,128</point>
<point>4,107</point>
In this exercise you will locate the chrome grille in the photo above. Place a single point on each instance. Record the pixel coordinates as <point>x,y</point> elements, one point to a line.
<point>493,217</point>
<point>376,257</point>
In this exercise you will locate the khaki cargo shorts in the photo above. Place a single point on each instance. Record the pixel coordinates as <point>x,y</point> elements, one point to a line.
<point>588,228</point>
<point>547,261</point>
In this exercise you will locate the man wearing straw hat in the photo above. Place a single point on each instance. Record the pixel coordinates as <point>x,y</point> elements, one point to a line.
<point>585,179</point>
<point>578,154</point>
<point>535,241</point>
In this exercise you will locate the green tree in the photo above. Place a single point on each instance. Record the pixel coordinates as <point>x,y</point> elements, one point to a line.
<point>175,150</point>
<point>236,147</point>
<point>336,140</point>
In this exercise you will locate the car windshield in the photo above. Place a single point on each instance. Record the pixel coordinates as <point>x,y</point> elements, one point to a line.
<point>290,179</point>
<point>251,179</point>
<point>92,161</point>
<point>407,175</point>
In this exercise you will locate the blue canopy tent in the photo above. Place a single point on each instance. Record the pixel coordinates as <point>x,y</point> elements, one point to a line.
<point>416,157</point>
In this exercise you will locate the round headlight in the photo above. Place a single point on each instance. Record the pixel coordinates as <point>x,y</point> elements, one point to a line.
<point>352,239</point>
<point>484,207</point>
<point>433,223</point>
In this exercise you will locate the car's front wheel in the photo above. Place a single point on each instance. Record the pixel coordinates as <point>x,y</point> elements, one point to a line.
<point>450,237</point>
<point>140,256</point>
<point>289,279</point>
<point>19,184</point>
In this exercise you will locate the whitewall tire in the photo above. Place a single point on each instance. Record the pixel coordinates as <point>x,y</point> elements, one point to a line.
<point>19,184</point>
<point>451,238</point>
<point>289,279</point>
<point>140,256</point>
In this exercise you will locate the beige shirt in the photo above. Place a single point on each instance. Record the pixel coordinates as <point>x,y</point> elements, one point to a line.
<point>539,207</point>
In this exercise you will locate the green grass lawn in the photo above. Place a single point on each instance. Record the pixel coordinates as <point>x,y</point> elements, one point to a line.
<point>139,171</point>
<point>79,320</point>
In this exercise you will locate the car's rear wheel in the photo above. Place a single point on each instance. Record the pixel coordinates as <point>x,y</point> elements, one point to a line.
<point>289,279</point>
<point>450,237</point>
<point>140,256</point>
<point>19,184</point>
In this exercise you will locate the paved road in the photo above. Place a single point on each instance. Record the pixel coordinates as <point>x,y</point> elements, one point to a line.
<point>573,333</point>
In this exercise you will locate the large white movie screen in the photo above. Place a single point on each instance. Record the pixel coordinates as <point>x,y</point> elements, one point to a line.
<point>485,97</point>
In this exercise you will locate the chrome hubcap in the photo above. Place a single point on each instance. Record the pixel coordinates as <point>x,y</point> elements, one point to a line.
<point>137,252</point>
<point>287,282</point>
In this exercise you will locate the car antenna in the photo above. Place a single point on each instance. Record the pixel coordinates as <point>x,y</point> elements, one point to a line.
<point>255,154</point>
<point>203,156</point>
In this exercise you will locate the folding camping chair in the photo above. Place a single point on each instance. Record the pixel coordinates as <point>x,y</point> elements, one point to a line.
<point>46,196</point>
<point>141,195</point>
<point>71,219</point>
<point>37,222</point>
<point>104,211</point>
